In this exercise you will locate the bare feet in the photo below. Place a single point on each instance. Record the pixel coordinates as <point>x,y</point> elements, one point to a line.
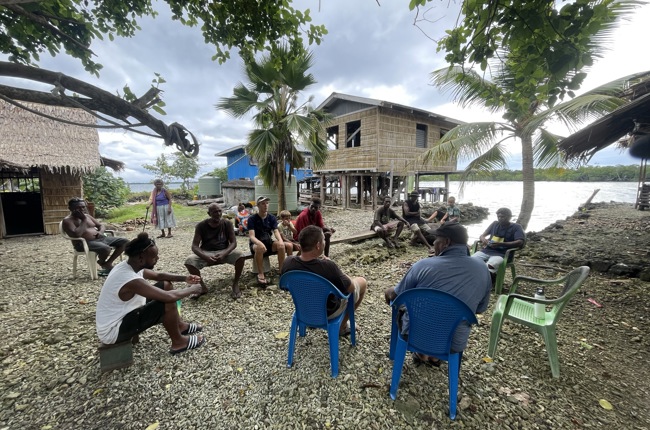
<point>236,292</point>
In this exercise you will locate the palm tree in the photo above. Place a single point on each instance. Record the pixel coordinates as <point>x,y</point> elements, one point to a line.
<point>275,82</point>
<point>542,60</point>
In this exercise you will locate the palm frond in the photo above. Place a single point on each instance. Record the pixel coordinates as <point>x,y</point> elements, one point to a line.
<point>492,159</point>
<point>467,87</point>
<point>467,141</point>
<point>545,150</point>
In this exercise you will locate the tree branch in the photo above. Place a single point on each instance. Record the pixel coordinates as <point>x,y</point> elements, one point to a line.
<point>95,99</point>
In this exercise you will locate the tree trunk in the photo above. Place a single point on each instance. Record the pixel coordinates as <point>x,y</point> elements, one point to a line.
<point>282,201</point>
<point>528,172</point>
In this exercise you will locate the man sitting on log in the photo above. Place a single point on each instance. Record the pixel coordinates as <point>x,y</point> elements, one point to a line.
<point>128,304</point>
<point>382,223</point>
<point>80,224</point>
<point>215,243</point>
<point>418,225</point>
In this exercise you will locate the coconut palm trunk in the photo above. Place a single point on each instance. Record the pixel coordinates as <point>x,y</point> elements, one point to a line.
<point>528,173</point>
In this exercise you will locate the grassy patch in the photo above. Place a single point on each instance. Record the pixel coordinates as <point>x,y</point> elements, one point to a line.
<point>181,212</point>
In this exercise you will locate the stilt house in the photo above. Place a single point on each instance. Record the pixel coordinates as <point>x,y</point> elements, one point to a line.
<point>374,146</point>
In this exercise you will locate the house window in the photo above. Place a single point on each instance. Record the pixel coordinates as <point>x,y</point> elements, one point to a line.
<point>443,132</point>
<point>420,136</point>
<point>333,137</point>
<point>353,134</point>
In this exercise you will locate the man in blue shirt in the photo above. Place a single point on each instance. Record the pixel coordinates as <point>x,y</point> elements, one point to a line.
<point>452,271</point>
<point>500,236</point>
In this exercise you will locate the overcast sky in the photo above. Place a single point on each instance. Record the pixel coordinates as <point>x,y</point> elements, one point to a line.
<point>370,51</point>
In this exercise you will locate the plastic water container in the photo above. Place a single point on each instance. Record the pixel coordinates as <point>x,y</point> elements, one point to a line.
<point>540,309</point>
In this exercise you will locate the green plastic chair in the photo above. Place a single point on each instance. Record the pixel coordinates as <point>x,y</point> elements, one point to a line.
<point>520,309</point>
<point>508,263</point>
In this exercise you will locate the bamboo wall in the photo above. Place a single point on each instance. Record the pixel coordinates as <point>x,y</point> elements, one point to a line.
<point>56,190</point>
<point>387,143</point>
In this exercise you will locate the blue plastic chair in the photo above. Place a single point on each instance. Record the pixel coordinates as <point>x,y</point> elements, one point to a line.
<point>309,293</point>
<point>433,318</point>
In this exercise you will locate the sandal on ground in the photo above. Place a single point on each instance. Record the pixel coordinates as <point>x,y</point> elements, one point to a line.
<point>162,235</point>
<point>193,342</point>
<point>192,328</point>
<point>235,295</point>
<point>104,272</point>
<point>262,282</point>
<point>170,235</point>
<point>430,361</point>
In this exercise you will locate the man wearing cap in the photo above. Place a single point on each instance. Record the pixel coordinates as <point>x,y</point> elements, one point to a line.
<point>500,236</point>
<point>264,238</point>
<point>215,243</point>
<point>452,271</point>
<point>418,225</point>
<point>311,215</point>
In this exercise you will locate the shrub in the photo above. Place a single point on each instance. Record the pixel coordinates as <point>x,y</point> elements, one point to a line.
<point>104,190</point>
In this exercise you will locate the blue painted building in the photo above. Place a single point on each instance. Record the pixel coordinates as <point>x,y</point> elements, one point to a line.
<point>241,166</point>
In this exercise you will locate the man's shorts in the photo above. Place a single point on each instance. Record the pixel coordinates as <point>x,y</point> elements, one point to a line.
<point>99,245</point>
<point>424,227</point>
<point>344,303</point>
<point>142,318</point>
<point>268,244</point>
<point>196,261</point>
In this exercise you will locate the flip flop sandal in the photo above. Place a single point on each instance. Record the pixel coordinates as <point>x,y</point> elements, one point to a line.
<point>262,282</point>
<point>103,272</point>
<point>197,296</point>
<point>431,362</point>
<point>162,235</point>
<point>192,328</point>
<point>193,342</point>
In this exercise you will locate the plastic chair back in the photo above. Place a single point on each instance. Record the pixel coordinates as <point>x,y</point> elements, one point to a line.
<point>310,293</point>
<point>91,257</point>
<point>433,319</point>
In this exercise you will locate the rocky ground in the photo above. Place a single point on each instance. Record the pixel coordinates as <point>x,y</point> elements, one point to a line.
<point>50,367</point>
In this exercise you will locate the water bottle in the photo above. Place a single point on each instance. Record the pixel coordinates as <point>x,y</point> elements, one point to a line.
<point>540,308</point>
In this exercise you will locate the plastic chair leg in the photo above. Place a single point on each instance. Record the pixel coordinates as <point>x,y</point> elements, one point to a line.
<point>550,339</point>
<point>333,340</point>
<point>353,327</point>
<point>292,340</point>
<point>495,330</point>
<point>91,257</point>
<point>453,371</point>
<point>74,266</point>
<point>393,340</point>
<point>400,354</point>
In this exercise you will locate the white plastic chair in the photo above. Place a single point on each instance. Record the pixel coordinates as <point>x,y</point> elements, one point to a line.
<point>91,257</point>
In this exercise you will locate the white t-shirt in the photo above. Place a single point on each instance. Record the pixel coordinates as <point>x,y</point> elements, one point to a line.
<point>110,308</point>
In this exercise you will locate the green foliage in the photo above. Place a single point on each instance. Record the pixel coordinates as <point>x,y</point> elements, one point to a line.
<point>71,26</point>
<point>183,168</point>
<point>537,56</point>
<point>182,213</point>
<point>104,190</point>
<point>617,173</point>
<point>275,83</point>
<point>546,48</point>
<point>221,173</point>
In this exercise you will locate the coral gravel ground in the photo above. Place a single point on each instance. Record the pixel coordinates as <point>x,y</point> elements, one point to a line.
<point>239,379</point>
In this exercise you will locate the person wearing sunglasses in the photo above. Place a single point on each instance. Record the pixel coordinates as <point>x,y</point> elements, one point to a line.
<point>128,304</point>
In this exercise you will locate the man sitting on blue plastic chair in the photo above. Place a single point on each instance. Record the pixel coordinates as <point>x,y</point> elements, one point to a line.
<point>312,243</point>
<point>452,271</point>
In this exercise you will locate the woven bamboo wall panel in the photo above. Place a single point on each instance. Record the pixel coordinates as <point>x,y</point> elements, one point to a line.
<point>387,142</point>
<point>56,190</point>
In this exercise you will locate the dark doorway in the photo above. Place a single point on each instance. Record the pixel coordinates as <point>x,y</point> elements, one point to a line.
<point>22,207</point>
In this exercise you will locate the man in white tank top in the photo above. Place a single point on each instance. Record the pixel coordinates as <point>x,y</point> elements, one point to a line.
<point>128,304</point>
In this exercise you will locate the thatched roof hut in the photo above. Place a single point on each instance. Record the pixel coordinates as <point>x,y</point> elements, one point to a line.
<point>41,163</point>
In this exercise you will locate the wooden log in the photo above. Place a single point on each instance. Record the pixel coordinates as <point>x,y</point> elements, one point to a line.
<point>204,202</point>
<point>357,237</point>
<point>585,204</point>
